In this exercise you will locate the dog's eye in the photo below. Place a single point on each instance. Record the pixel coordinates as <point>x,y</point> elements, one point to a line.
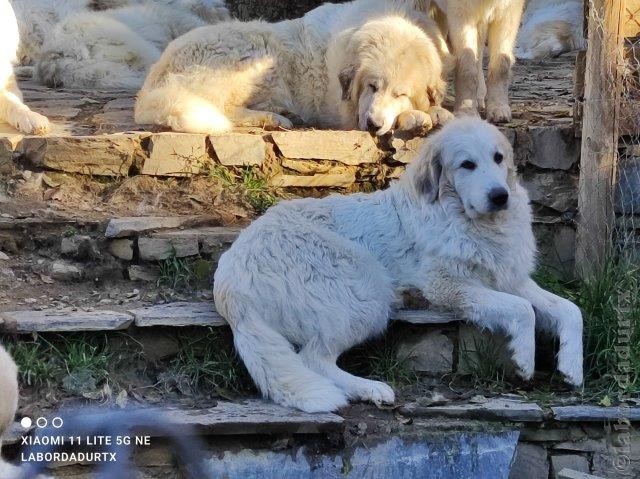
<point>374,87</point>
<point>498,157</point>
<point>468,165</point>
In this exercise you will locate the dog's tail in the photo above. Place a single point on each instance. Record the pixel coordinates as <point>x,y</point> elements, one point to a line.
<point>278,370</point>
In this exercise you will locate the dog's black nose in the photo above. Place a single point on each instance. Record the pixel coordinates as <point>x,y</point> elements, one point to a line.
<point>372,126</point>
<point>499,197</point>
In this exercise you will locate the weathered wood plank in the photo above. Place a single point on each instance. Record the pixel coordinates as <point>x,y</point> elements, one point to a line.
<point>178,314</point>
<point>64,321</point>
<point>594,413</point>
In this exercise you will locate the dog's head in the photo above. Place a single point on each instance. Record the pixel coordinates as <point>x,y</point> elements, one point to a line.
<point>390,66</point>
<point>468,159</point>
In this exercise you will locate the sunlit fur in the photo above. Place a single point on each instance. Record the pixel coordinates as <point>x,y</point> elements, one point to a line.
<point>115,48</point>
<point>317,69</point>
<point>550,28</point>
<point>12,109</point>
<point>314,277</point>
<point>471,24</point>
<point>8,403</point>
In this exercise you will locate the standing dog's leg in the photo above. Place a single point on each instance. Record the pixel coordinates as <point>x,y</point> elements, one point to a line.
<point>465,38</point>
<point>15,112</point>
<point>321,360</point>
<point>482,84</point>
<point>492,310</point>
<point>563,319</point>
<point>502,34</point>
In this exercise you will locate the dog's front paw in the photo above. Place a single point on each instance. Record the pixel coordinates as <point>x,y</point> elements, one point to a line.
<point>439,115</point>
<point>498,112</point>
<point>279,121</point>
<point>32,123</point>
<point>375,391</point>
<point>414,121</point>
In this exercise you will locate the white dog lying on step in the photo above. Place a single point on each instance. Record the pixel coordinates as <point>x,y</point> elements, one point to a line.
<point>367,64</point>
<point>312,278</point>
<point>12,109</point>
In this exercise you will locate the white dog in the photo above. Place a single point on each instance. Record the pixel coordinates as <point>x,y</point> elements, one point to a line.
<point>368,64</point>
<point>550,28</point>
<point>471,24</point>
<point>12,109</point>
<point>115,48</point>
<point>312,278</point>
<point>8,403</point>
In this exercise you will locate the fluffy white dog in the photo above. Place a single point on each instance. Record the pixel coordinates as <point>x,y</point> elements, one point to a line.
<point>368,64</point>
<point>12,109</point>
<point>8,403</point>
<point>312,278</point>
<point>550,28</point>
<point>471,24</point>
<point>115,48</point>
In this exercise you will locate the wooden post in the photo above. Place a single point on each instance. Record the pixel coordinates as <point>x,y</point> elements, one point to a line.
<point>598,163</point>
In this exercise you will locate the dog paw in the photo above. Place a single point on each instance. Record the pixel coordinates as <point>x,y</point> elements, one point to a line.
<point>415,121</point>
<point>279,121</point>
<point>439,115</point>
<point>498,113</point>
<point>327,400</point>
<point>573,374</point>
<point>32,123</point>
<point>375,391</point>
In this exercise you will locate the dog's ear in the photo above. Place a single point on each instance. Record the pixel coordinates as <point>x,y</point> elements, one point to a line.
<point>426,172</point>
<point>346,80</point>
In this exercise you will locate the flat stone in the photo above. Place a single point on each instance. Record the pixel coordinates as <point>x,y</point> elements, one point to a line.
<point>136,225</point>
<point>554,148</point>
<point>335,180</point>
<point>65,271</point>
<point>406,150</point>
<point>239,149</point>
<point>569,474</point>
<point>142,273</point>
<point>428,352</point>
<point>594,413</point>
<point>122,248</point>
<point>574,462</point>
<point>79,246</point>
<point>252,417</point>
<point>348,147</point>
<point>494,409</point>
<point>63,321</point>
<point>531,462</point>
<point>312,167</point>
<point>178,314</point>
<point>557,190</point>
<point>108,155</point>
<point>156,249</point>
<point>176,154</point>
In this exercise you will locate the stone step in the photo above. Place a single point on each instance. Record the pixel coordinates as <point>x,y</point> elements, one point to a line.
<point>181,314</point>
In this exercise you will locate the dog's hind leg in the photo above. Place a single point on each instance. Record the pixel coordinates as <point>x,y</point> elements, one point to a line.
<point>279,371</point>
<point>321,360</point>
<point>263,119</point>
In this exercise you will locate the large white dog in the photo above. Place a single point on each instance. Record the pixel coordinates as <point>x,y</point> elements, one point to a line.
<point>368,64</point>
<point>312,278</point>
<point>472,24</point>
<point>12,109</point>
<point>550,28</point>
<point>8,404</point>
<point>115,48</point>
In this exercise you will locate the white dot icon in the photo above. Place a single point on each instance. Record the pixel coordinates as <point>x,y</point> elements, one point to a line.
<point>26,422</point>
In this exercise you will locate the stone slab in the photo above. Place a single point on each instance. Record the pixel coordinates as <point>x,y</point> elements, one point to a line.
<point>65,321</point>
<point>136,225</point>
<point>178,314</point>
<point>239,149</point>
<point>531,462</point>
<point>330,180</point>
<point>347,147</point>
<point>175,154</point>
<point>105,155</point>
<point>502,409</point>
<point>156,249</point>
<point>594,413</point>
<point>570,474</point>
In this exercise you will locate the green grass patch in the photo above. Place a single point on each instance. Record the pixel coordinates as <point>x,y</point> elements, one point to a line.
<point>249,182</point>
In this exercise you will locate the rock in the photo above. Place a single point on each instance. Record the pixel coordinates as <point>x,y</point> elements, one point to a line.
<point>493,409</point>
<point>137,225</point>
<point>347,147</point>
<point>157,345</point>
<point>569,474</point>
<point>556,190</point>
<point>108,155</point>
<point>531,462</point>
<point>239,149</point>
<point>159,248</point>
<point>142,273</point>
<point>178,314</point>
<point>79,246</point>
<point>4,256</point>
<point>428,352</point>
<point>176,154</point>
<point>406,150</point>
<point>569,461</point>
<point>594,413</point>
<point>212,240</point>
<point>65,271</point>
<point>335,180</point>
<point>557,247</point>
<point>122,249</point>
<point>554,148</point>
<point>311,167</point>
<point>8,144</point>
<point>65,321</point>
